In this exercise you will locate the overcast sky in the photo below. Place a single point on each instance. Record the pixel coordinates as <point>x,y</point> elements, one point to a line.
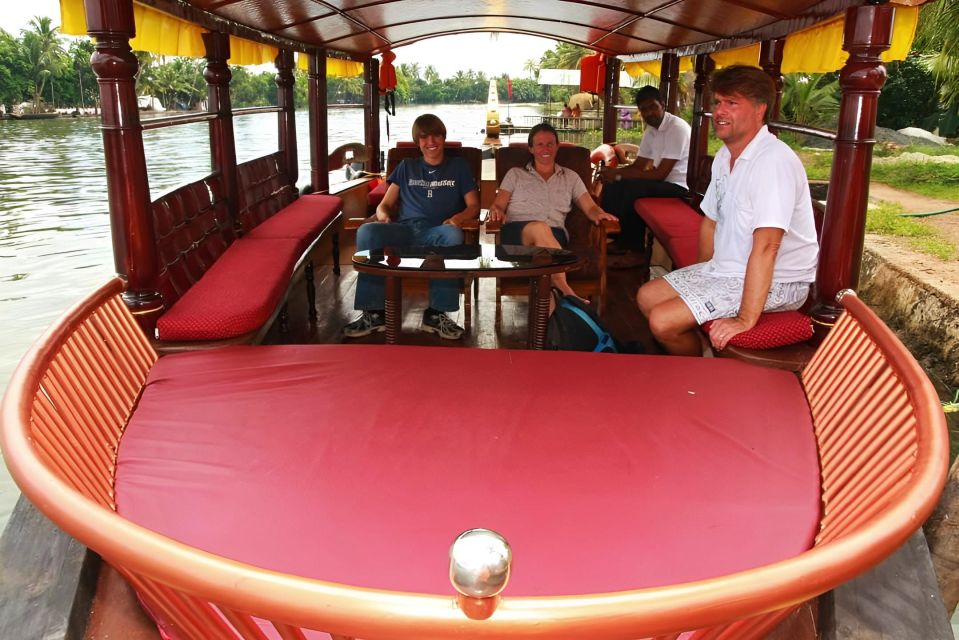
<point>494,54</point>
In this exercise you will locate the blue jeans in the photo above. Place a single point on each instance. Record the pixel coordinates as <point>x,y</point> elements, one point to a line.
<point>370,290</point>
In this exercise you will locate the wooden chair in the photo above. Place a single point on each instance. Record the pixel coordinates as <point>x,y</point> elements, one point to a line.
<point>347,155</point>
<point>474,158</point>
<point>585,238</point>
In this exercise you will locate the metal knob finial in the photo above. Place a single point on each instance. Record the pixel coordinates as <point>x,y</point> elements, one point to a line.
<point>480,563</point>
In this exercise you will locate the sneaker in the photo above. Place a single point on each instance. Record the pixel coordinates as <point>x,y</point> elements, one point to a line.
<point>367,323</point>
<point>439,322</point>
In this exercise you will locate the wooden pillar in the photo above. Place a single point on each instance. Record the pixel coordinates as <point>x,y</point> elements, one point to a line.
<point>287,116</point>
<point>371,112</point>
<point>222,144</point>
<point>699,136</point>
<point>110,23</point>
<point>867,34</point>
<point>771,60</point>
<point>669,82</point>
<point>610,98</point>
<point>319,127</point>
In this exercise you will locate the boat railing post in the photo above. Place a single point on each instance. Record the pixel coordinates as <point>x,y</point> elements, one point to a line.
<point>111,24</point>
<point>771,60</point>
<point>319,124</point>
<point>287,116</point>
<point>222,143</point>
<point>610,98</point>
<point>867,34</point>
<point>669,81</point>
<point>699,136</point>
<point>371,111</point>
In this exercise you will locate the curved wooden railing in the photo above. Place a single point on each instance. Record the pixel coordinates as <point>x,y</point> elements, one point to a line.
<point>881,432</point>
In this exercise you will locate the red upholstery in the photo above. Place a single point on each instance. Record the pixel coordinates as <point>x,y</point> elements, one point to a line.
<point>284,457</point>
<point>236,295</point>
<point>411,143</point>
<point>776,329</point>
<point>376,194</point>
<point>302,220</point>
<point>683,250</point>
<point>675,224</point>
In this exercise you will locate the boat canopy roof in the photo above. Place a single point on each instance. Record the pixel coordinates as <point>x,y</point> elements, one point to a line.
<point>638,31</point>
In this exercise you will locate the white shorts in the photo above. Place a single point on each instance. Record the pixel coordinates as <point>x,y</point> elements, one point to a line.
<point>712,297</point>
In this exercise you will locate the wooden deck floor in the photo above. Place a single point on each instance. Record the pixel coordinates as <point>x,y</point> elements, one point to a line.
<point>334,302</point>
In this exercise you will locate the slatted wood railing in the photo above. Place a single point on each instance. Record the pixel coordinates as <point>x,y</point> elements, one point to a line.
<point>880,429</point>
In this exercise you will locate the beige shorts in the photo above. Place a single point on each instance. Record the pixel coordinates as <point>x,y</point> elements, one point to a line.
<point>712,297</point>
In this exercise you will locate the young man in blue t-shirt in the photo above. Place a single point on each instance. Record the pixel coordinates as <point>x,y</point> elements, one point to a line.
<point>431,196</point>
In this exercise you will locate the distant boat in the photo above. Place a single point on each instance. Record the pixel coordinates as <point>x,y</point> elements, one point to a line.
<point>34,116</point>
<point>492,116</point>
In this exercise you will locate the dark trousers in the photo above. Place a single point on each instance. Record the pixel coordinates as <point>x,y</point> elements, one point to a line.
<point>618,199</point>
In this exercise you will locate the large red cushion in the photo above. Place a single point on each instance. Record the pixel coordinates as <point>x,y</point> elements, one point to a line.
<point>668,217</point>
<point>236,296</point>
<point>302,220</point>
<point>360,464</point>
<point>376,194</point>
<point>775,329</point>
<point>683,250</point>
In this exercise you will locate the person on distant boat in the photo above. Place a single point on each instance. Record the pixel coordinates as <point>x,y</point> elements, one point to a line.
<point>658,172</point>
<point>566,112</point>
<point>431,197</point>
<point>576,113</point>
<point>534,200</point>
<point>757,243</point>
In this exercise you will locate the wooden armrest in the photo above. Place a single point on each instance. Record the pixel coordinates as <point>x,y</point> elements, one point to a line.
<point>493,227</point>
<point>611,226</point>
<point>352,224</point>
<point>471,225</point>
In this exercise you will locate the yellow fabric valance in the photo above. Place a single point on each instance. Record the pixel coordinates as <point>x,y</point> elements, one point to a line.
<point>817,49</point>
<point>163,34</point>
<point>335,67</point>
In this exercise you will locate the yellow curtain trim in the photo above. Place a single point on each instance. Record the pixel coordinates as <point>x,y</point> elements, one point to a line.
<point>335,67</point>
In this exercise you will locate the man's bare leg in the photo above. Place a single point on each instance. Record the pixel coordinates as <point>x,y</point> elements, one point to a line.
<point>670,320</point>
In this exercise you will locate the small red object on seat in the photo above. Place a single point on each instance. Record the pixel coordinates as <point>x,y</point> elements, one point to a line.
<point>776,329</point>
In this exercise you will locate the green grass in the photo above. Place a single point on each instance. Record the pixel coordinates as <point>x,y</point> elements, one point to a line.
<point>935,180</point>
<point>884,219</point>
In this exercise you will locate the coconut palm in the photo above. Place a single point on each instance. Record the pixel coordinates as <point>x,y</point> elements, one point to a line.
<point>938,38</point>
<point>531,67</point>
<point>44,55</point>
<point>811,99</point>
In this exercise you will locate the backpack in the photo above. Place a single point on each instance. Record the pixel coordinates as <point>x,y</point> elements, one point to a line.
<point>574,326</point>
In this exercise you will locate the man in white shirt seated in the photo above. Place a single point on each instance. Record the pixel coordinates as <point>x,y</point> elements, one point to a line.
<point>757,243</point>
<point>658,172</point>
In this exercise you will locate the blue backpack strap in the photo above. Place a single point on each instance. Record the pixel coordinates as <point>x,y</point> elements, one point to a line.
<point>603,339</point>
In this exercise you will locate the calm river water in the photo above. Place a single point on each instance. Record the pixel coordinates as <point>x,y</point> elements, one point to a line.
<point>54,227</point>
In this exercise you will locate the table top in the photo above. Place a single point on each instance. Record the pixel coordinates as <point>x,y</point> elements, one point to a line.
<point>477,260</point>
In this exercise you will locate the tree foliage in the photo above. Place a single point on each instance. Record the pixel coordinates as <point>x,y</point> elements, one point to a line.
<point>811,99</point>
<point>909,97</point>
<point>44,55</point>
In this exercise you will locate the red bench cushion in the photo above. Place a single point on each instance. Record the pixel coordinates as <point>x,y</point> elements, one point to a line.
<point>302,220</point>
<point>683,250</point>
<point>236,296</point>
<point>350,463</point>
<point>776,329</point>
<point>376,194</point>
<point>668,217</point>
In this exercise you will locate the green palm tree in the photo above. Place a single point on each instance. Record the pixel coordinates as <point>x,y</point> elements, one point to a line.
<point>938,38</point>
<point>44,54</point>
<point>532,68</point>
<point>810,99</point>
<point>430,74</point>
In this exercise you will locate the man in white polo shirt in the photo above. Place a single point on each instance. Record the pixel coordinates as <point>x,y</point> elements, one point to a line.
<point>757,243</point>
<point>658,172</point>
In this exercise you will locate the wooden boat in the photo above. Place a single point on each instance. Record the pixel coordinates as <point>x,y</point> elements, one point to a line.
<point>34,116</point>
<point>492,115</point>
<point>877,437</point>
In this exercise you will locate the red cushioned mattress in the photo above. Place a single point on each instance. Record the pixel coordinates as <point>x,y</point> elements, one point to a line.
<point>361,463</point>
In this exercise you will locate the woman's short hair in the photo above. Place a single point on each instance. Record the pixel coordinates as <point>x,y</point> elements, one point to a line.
<point>428,124</point>
<point>542,126</point>
<point>750,82</point>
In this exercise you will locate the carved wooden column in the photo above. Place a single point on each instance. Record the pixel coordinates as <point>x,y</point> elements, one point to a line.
<point>669,81</point>
<point>867,34</point>
<point>110,23</point>
<point>222,144</point>
<point>287,116</point>
<point>610,98</point>
<point>699,136</point>
<point>371,111</point>
<point>771,60</point>
<point>319,127</point>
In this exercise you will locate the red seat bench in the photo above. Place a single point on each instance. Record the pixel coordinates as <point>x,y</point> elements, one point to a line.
<point>217,289</point>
